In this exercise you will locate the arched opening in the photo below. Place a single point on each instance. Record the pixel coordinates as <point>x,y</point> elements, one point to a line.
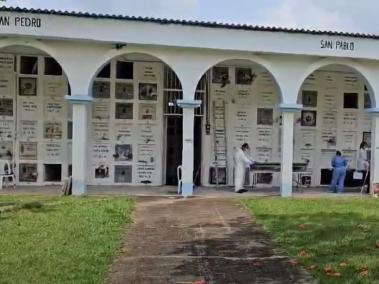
<point>333,117</point>
<point>241,107</point>
<point>36,126</point>
<point>136,124</point>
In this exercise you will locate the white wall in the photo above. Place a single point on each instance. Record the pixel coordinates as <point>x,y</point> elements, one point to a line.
<point>37,131</point>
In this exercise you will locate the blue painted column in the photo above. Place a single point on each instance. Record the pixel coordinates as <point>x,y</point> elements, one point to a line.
<point>80,105</point>
<point>188,107</point>
<point>288,114</point>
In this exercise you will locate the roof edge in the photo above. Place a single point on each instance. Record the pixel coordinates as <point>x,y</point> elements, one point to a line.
<point>204,24</point>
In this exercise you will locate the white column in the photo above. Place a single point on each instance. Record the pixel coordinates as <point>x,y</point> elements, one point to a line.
<point>79,142</point>
<point>374,165</point>
<point>288,114</point>
<point>188,107</point>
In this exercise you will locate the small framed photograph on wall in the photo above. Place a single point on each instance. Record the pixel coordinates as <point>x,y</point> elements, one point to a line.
<point>148,92</point>
<point>265,116</point>
<point>244,76</point>
<point>123,152</point>
<point>124,91</point>
<point>28,87</point>
<point>308,118</point>
<point>309,98</point>
<point>220,75</point>
<point>102,172</point>
<point>101,90</point>
<point>147,112</point>
<point>124,111</point>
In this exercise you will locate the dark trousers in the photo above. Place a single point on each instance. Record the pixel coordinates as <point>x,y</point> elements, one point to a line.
<point>367,180</point>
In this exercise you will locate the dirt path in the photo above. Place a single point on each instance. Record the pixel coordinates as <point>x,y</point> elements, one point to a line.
<point>209,240</point>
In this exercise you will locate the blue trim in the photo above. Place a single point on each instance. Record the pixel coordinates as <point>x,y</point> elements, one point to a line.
<point>78,187</point>
<point>78,99</point>
<point>290,107</point>
<point>373,111</point>
<point>286,190</point>
<point>188,103</point>
<point>187,189</point>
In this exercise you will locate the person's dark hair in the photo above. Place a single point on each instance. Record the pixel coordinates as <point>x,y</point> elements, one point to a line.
<point>363,144</point>
<point>338,153</point>
<point>245,146</point>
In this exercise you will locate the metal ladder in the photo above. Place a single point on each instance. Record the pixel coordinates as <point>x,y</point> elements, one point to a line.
<point>219,138</point>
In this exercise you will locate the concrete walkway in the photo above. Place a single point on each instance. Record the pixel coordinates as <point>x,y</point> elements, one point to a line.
<point>213,240</point>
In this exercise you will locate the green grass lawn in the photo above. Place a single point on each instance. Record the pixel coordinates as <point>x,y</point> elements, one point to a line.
<point>60,240</point>
<point>334,239</point>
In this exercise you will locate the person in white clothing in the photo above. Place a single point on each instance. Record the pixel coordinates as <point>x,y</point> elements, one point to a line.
<point>241,162</point>
<point>363,165</point>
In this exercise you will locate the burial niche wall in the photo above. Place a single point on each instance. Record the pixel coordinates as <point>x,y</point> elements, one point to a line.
<point>35,118</point>
<point>127,123</point>
<point>333,118</point>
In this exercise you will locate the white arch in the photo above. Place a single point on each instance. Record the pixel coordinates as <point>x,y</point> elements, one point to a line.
<point>39,45</point>
<point>366,74</point>
<point>213,61</point>
<point>114,53</point>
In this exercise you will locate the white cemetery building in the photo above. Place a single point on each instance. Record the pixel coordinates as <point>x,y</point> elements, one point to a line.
<point>114,100</point>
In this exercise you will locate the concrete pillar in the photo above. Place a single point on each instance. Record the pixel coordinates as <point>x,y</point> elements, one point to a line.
<point>79,142</point>
<point>188,107</point>
<point>288,114</point>
<point>374,165</point>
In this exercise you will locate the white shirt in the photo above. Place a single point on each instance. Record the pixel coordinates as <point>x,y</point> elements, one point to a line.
<point>241,157</point>
<point>362,164</point>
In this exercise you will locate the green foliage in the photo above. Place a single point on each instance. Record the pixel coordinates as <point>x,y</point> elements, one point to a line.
<point>335,239</point>
<point>60,240</point>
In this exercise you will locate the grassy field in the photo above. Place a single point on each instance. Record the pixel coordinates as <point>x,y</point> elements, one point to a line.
<point>60,240</point>
<point>336,240</point>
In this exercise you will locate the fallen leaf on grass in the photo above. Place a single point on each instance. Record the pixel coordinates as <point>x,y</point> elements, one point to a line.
<point>377,245</point>
<point>293,262</point>
<point>330,272</point>
<point>328,269</point>
<point>363,271</point>
<point>343,264</point>
<point>312,267</point>
<point>303,253</point>
<point>301,226</point>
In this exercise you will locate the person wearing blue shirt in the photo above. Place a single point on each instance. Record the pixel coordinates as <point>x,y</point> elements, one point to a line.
<point>339,164</point>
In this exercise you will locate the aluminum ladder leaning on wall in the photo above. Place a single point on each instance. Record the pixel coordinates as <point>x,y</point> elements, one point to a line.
<point>219,140</point>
